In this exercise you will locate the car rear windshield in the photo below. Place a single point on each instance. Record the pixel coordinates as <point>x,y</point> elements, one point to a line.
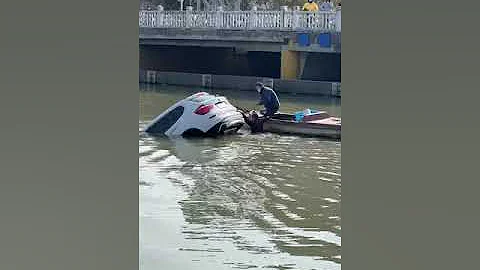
<point>204,99</point>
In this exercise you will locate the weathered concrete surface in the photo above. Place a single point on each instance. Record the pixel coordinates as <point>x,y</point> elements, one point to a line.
<point>249,40</point>
<point>276,36</point>
<point>243,83</point>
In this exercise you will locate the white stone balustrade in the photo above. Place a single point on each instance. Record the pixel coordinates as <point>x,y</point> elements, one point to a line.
<point>247,20</point>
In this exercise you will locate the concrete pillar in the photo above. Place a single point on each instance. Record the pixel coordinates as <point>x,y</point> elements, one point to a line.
<point>189,17</point>
<point>296,17</point>
<point>151,76</point>
<point>252,24</point>
<point>336,89</point>
<point>159,21</point>
<point>338,20</point>
<point>284,10</point>
<point>219,17</point>
<point>290,65</point>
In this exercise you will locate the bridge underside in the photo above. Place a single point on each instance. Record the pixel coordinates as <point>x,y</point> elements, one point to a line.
<point>238,45</point>
<point>230,61</point>
<point>261,53</point>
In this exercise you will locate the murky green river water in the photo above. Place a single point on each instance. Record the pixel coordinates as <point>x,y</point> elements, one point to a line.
<point>262,201</point>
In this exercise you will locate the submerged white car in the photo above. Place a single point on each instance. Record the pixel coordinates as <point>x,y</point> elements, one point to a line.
<point>201,114</point>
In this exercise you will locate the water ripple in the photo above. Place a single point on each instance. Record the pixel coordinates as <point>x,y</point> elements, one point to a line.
<point>276,198</point>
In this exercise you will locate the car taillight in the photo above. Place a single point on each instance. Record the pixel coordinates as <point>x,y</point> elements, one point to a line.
<point>204,109</point>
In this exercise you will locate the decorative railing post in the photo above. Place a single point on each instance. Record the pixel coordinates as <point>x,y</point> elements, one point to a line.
<point>189,17</point>
<point>338,20</point>
<point>219,18</point>
<point>181,4</point>
<point>160,14</point>
<point>284,22</point>
<point>296,17</point>
<point>253,17</point>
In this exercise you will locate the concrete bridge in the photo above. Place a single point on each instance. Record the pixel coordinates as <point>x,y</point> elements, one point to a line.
<point>307,44</point>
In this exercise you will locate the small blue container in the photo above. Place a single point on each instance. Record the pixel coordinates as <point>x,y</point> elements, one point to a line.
<point>303,39</point>
<point>299,116</point>
<point>324,40</point>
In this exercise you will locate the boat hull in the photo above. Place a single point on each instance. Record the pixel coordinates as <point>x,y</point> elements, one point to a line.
<point>307,129</point>
<point>323,126</point>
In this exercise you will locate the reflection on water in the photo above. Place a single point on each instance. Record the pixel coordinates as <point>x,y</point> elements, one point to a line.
<point>242,201</point>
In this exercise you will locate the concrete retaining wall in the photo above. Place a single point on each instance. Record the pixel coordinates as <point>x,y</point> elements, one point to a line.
<point>239,82</point>
<point>203,60</point>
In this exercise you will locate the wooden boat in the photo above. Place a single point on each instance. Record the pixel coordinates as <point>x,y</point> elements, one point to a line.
<point>321,124</point>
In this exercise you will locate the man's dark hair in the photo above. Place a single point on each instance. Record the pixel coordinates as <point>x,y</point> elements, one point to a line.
<point>259,84</point>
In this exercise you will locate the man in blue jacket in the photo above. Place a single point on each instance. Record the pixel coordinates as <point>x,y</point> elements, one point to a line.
<point>268,98</point>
